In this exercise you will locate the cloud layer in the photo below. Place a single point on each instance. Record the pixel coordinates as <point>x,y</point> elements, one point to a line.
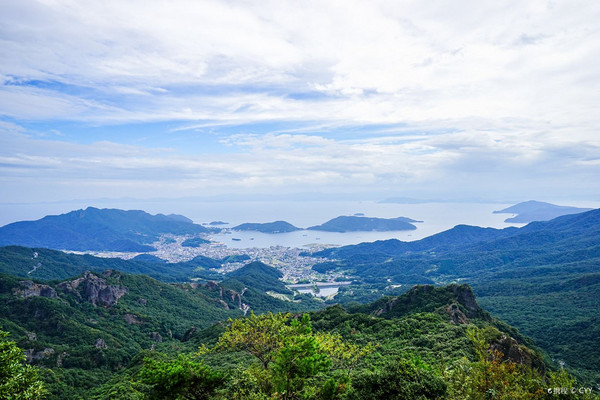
<point>447,98</point>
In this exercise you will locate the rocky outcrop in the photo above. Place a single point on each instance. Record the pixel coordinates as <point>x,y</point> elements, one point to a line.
<point>94,289</point>
<point>457,301</point>
<point>457,317</point>
<point>156,337</point>
<point>100,344</point>
<point>32,289</point>
<point>132,319</point>
<point>31,355</point>
<point>511,350</point>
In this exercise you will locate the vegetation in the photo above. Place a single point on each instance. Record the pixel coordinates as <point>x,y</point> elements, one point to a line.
<point>18,381</point>
<point>542,278</point>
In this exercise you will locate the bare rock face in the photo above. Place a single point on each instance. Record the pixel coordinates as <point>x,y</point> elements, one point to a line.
<point>61,357</point>
<point>457,317</point>
<point>94,289</point>
<point>31,355</point>
<point>513,351</point>
<point>31,289</point>
<point>132,319</point>
<point>465,296</point>
<point>156,336</point>
<point>100,344</point>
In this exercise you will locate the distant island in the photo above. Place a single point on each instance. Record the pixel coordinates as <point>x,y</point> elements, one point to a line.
<point>532,210</point>
<point>357,224</point>
<point>268,227</point>
<point>215,223</point>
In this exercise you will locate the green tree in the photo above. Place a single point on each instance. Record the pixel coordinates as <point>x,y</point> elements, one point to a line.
<point>18,381</point>
<point>182,378</point>
<point>294,360</point>
<point>299,359</point>
<point>398,379</point>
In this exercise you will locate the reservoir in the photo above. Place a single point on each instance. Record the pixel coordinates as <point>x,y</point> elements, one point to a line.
<point>325,289</point>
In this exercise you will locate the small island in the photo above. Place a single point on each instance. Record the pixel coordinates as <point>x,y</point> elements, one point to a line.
<point>357,224</point>
<point>268,227</point>
<point>217,223</point>
<point>529,211</point>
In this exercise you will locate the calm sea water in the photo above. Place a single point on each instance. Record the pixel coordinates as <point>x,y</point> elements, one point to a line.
<point>436,217</point>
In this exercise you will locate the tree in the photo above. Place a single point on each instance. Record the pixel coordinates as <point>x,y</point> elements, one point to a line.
<point>292,357</point>
<point>18,381</point>
<point>182,378</point>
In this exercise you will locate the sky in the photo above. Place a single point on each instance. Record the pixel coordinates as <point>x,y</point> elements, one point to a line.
<point>492,100</point>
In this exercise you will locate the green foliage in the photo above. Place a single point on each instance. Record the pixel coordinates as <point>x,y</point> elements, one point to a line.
<point>294,360</point>
<point>400,378</point>
<point>182,378</point>
<point>18,381</point>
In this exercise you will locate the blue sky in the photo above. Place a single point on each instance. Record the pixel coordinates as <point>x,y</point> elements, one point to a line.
<point>455,100</point>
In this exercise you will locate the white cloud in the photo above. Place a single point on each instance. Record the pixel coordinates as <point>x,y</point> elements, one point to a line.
<point>505,88</point>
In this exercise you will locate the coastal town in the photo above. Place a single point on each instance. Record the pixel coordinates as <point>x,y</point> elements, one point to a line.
<point>294,263</point>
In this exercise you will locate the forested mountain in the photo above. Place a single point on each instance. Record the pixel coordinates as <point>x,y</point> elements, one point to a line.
<point>114,335</point>
<point>39,263</point>
<point>87,327</point>
<point>97,229</point>
<point>541,278</point>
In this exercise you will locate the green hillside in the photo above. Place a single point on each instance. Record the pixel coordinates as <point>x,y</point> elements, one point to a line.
<point>541,278</point>
<point>87,328</point>
<point>421,353</point>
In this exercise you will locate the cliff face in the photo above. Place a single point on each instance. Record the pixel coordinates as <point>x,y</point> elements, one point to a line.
<point>32,289</point>
<point>94,289</point>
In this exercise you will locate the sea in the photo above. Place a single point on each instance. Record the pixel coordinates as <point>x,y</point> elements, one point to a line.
<point>435,216</point>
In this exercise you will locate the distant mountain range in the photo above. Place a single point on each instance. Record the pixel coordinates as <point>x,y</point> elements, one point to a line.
<point>532,210</point>
<point>97,230</point>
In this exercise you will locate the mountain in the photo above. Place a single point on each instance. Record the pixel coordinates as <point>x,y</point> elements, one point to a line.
<point>91,333</point>
<point>88,327</point>
<point>97,230</point>
<point>355,224</point>
<point>38,263</point>
<point>541,278</point>
<point>268,227</point>
<point>530,211</point>
<point>442,345</point>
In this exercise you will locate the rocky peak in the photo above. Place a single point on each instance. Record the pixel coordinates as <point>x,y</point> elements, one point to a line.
<point>458,301</point>
<point>94,289</point>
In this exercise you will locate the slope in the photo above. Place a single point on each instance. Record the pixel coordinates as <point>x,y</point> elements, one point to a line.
<point>97,229</point>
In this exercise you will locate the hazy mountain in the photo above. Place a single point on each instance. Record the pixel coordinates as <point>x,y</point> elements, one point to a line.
<point>97,229</point>
<point>357,223</point>
<point>530,211</point>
